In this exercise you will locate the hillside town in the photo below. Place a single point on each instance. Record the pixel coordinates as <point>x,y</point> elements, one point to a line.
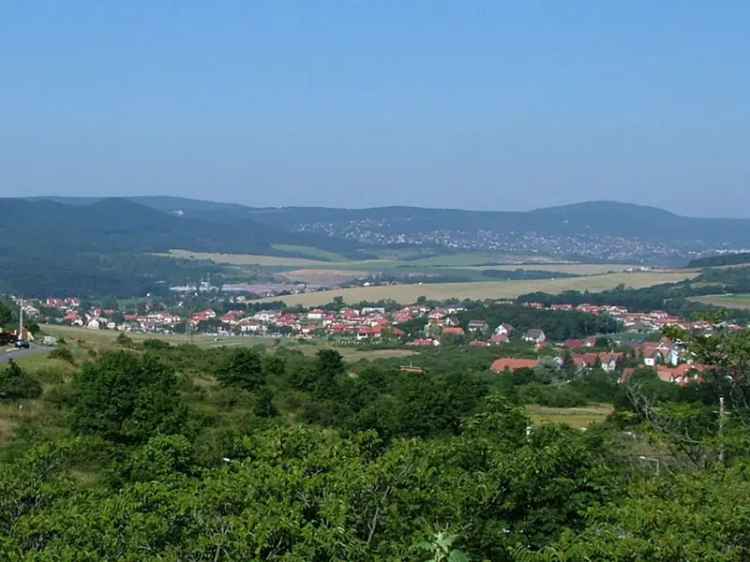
<point>383,232</point>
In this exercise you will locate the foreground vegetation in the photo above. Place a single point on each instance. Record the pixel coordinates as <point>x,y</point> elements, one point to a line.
<point>151,450</point>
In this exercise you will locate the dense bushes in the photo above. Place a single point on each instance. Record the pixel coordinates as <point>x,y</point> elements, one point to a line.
<point>126,398</point>
<point>302,494</point>
<point>333,461</point>
<point>62,353</point>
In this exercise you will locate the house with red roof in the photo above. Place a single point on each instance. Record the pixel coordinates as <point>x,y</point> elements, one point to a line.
<point>682,374</point>
<point>511,364</point>
<point>499,339</point>
<point>424,342</point>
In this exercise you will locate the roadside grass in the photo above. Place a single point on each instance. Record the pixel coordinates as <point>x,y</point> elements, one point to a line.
<point>577,418</point>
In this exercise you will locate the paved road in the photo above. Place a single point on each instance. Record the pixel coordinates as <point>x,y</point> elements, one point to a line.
<point>6,356</point>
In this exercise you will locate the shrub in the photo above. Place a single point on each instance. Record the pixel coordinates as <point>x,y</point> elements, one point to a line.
<point>15,384</point>
<point>243,368</point>
<point>126,398</point>
<point>154,344</point>
<point>62,353</point>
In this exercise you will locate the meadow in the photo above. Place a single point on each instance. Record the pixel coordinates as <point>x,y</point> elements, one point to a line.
<point>471,261</point>
<point>82,340</point>
<point>736,301</point>
<point>578,418</point>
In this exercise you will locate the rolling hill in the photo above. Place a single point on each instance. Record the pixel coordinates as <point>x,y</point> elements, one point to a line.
<point>60,245</point>
<point>592,218</point>
<point>596,218</point>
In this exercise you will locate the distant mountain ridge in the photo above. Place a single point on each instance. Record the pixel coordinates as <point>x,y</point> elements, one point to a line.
<point>58,245</point>
<point>594,218</point>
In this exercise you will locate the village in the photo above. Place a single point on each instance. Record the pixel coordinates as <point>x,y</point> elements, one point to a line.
<point>429,327</point>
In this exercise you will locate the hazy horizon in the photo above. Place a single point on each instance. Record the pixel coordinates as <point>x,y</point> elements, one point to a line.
<point>488,106</point>
<point>355,207</point>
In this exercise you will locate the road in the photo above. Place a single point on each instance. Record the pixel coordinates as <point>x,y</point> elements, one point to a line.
<point>6,356</point>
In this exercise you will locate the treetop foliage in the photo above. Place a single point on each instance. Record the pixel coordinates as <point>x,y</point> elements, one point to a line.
<point>307,457</point>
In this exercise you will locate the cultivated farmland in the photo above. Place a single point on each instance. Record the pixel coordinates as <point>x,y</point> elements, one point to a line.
<point>407,294</point>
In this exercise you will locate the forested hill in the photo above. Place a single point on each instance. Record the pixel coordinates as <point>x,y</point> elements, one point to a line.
<point>595,219</point>
<point>742,258</point>
<point>81,246</point>
<point>103,247</point>
<point>111,225</point>
<point>609,219</point>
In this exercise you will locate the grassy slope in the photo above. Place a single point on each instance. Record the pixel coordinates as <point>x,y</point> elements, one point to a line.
<point>104,340</point>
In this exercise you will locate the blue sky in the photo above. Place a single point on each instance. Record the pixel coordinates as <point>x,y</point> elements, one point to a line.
<point>480,105</point>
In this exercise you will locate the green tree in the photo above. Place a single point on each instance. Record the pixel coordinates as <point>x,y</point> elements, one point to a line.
<point>329,366</point>
<point>15,384</point>
<point>123,340</point>
<point>264,407</point>
<point>242,368</point>
<point>5,315</point>
<point>163,456</point>
<point>126,398</point>
<point>273,365</point>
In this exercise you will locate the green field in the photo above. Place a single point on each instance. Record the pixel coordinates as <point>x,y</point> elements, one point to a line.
<point>478,259</point>
<point>572,268</point>
<point>320,260</point>
<point>577,418</point>
<point>245,259</point>
<point>736,301</point>
<point>407,294</point>
<point>309,252</point>
<point>461,275</point>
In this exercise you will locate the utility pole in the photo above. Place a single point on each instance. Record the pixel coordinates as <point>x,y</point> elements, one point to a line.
<point>722,413</point>
<point>20,321</point>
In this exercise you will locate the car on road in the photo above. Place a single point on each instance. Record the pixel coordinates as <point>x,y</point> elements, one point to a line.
<point>22,344</point>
